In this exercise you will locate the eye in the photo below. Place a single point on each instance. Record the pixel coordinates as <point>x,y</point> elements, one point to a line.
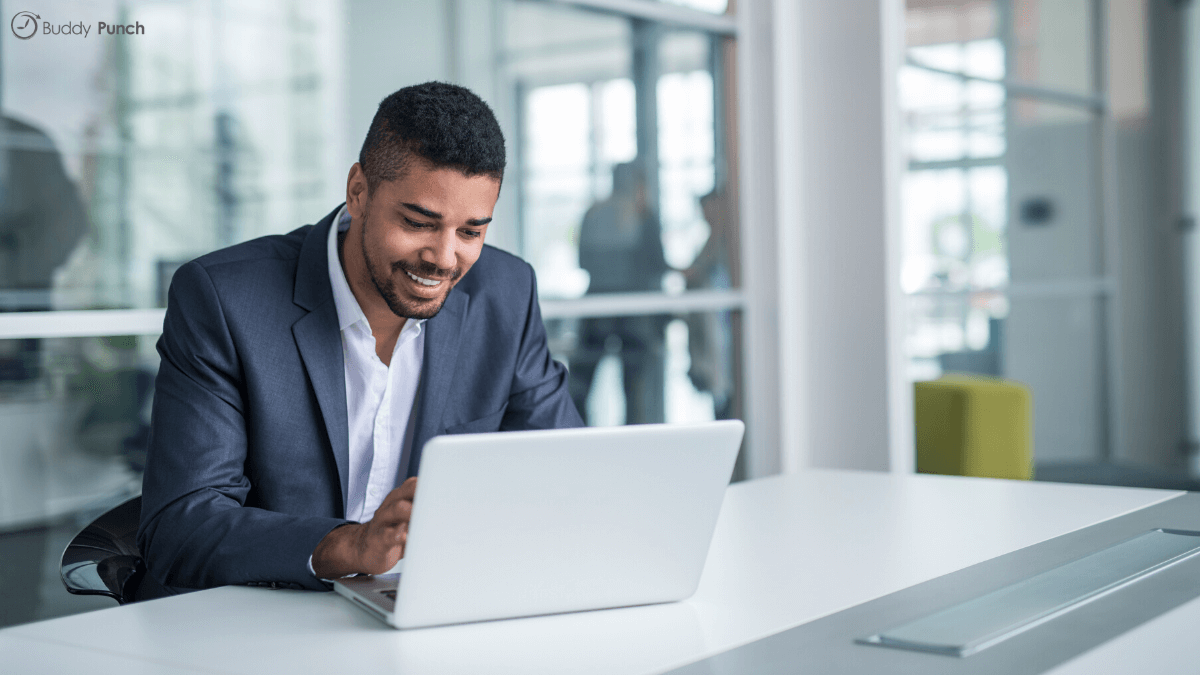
<point>471,234</point>
<point>415,225</point>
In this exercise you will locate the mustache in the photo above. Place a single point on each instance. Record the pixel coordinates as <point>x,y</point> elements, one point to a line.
<point>427,270</point>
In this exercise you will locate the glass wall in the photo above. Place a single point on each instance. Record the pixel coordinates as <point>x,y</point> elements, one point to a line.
<point>217,125</point>
<point>1040,211</point>
<point>623,193</point>
<point>955,269</point>
<point>127,155</point>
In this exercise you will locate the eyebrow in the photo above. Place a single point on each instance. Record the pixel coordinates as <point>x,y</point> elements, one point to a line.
<point>434,214</point>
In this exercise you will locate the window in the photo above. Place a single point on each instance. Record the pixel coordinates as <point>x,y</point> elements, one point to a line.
<point>127,156</point>
<point>1028,191</point>
<point>618,148</point>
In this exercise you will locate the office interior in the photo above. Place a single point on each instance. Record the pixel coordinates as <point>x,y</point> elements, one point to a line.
<point>835,200</point>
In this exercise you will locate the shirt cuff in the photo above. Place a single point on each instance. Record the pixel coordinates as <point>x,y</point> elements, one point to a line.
<point>328,581</point>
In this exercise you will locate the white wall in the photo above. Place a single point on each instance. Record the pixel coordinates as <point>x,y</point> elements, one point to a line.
<point>819,198</point>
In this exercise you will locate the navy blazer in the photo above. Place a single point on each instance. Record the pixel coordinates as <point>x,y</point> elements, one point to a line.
<point>249,446</point>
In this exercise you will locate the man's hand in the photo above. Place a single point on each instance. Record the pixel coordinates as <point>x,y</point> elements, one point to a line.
<point>373,547</point>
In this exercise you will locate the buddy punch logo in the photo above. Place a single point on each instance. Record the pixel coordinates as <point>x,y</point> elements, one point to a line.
<point>27,24</point>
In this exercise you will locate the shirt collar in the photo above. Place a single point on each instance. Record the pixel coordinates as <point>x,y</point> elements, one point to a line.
<point>348,311</point>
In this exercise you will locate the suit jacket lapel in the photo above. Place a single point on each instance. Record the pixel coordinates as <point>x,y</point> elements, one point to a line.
<point>319,342</point>
<point>442,338</point>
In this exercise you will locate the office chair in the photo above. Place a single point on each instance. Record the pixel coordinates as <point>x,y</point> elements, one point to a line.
<point>103,559</point>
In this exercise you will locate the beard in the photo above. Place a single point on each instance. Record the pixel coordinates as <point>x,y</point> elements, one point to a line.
<point>401,307</point>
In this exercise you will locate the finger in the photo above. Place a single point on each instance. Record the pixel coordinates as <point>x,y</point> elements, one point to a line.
<point>403,493</point>
<point>385,543</point>
<point>380,536</point>
<point>407,489</point>
<point>393,514</point>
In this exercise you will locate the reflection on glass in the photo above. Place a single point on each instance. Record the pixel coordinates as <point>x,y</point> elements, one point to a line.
<point>685,155</point>
<point>83,415</point>
<point>954,229</point>
<point>214,127</point>
<point>961,332</point>
<point>42,218</point>
<point>569,162</point>
<point>955,265</point>
<point>950,116</point>
<point>74,443</point>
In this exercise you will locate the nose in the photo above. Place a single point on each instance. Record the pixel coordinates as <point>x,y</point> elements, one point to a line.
<point>442,251</point>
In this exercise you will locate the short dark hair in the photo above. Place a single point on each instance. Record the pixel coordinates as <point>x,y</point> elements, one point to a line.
<point>444,124</point>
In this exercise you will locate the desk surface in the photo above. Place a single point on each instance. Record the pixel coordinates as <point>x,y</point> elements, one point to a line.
<point>787,550</point>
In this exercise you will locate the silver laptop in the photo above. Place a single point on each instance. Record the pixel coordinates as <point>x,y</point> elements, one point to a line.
<point>525,523</point>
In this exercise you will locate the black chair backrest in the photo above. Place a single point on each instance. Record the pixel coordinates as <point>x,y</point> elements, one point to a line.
<point>103,559</point>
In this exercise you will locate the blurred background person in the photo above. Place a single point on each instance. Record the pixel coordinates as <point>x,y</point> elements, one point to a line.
<point>711,335</point>
<point>620,246</point>
<point>42,220</point>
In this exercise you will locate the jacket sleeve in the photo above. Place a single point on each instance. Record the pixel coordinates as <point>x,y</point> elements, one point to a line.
<point>195,531</point>
<point>540,397</point>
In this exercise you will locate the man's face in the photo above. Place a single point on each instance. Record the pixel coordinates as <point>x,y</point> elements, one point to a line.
<point>421,233</point>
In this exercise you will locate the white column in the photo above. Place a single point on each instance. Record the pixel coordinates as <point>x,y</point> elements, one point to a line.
<point>820,193</point>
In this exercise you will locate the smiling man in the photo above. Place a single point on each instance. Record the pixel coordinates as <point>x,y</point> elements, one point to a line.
<point>301,374</point>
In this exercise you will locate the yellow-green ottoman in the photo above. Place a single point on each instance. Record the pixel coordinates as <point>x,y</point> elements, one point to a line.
<point>973,425</point>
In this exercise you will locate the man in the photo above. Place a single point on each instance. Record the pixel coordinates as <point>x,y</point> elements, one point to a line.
<point>620,246</point>
<point>301,374</point>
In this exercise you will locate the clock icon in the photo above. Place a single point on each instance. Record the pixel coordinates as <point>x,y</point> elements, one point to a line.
<point>24,25</point>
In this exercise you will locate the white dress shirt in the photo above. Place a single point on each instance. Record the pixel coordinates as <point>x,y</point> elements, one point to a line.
<point>379,398</point>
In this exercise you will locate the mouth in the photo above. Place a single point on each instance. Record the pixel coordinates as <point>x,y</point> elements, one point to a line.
<point>429,283</point>
<point>424,289</point>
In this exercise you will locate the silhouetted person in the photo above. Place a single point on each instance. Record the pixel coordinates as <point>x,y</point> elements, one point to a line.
<point>620,246</point>
<point>42,220</point>
<point>712,335</point>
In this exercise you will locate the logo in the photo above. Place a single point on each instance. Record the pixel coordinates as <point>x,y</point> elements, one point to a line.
<point>24,24</point>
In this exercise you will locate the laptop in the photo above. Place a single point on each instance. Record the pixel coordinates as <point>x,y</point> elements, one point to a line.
<point>527,523</point>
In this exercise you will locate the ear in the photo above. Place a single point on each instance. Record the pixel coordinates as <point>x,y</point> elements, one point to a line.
<point>356,192</point>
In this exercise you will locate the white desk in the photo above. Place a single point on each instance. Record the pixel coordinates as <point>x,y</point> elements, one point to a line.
<point>787,550</point>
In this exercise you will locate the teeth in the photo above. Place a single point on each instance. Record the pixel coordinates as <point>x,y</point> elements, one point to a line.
<point>423,281</point>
